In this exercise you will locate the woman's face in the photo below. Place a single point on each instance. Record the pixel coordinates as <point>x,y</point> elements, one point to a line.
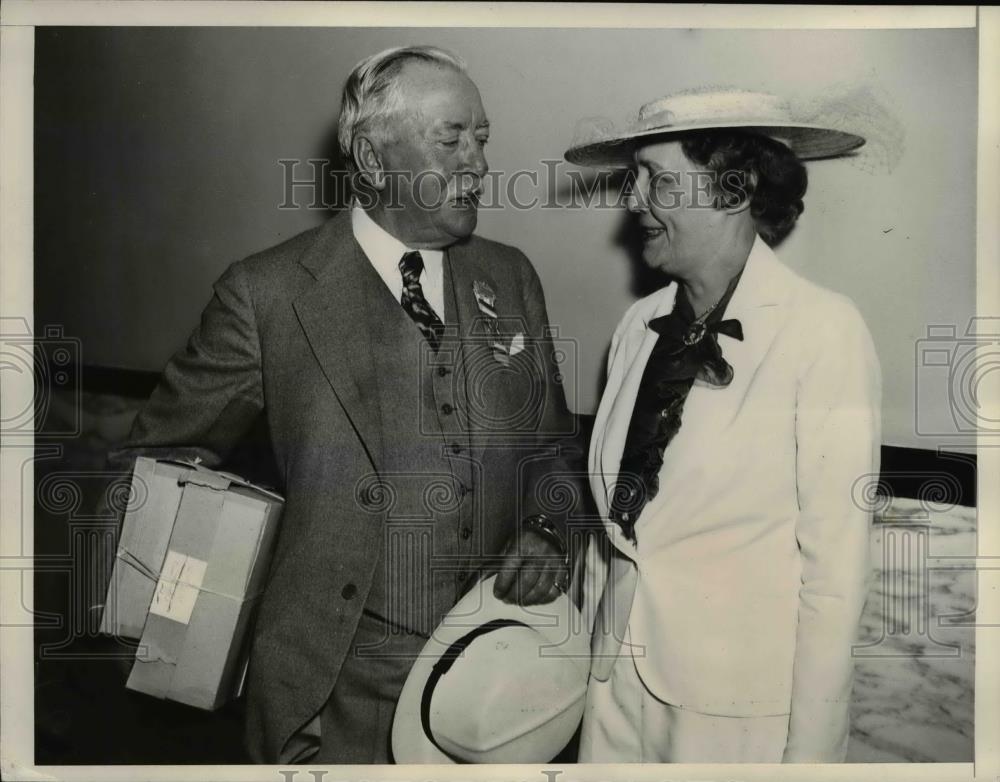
<point>681,228</point>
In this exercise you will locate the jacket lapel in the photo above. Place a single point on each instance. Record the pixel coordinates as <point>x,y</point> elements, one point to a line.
<point>757,304</point>
<point>465,269</point>
<point>333,315</point>
<point>636,346</point>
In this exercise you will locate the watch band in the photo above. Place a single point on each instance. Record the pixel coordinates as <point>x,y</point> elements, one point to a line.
<point>544,526</point>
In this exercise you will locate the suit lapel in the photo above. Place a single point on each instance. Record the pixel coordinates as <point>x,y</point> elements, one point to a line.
<point>466,268</point>
<point>757,304</point>
<point>334,316</point>
<point>402,359</point>
<point>637,345</point>
<point>760,304</point>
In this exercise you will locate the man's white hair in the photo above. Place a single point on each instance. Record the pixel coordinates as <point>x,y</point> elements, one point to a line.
<point>372,95</point>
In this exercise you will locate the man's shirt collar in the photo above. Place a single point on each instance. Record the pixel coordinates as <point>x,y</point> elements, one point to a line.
<point>384,251</point>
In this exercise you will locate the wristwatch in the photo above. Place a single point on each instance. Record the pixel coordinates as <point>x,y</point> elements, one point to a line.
<point>544,526</point>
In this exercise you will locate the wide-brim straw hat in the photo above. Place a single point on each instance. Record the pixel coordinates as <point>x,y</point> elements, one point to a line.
<point>599,144</point>
<point>496,683</point>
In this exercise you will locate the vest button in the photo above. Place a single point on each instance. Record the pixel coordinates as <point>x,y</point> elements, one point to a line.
<point>447,409</point>
<point>348,591</point>
<point>462,490</point>
<point>442,371</point>
<point>466,533</point>
<point>456,448</point>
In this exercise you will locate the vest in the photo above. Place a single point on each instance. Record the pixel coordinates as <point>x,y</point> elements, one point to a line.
<point>426,484</point>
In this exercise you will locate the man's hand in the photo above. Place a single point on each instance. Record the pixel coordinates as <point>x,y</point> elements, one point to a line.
<point>532,572</point>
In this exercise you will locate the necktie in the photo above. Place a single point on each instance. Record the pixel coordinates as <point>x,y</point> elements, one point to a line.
<point>413,301</point>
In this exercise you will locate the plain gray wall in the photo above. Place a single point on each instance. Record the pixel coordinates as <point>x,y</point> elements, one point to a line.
<point>157,165</point>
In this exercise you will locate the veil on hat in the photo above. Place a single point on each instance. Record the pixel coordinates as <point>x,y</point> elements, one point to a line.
<point>866,110</point>
<point>860,110</point>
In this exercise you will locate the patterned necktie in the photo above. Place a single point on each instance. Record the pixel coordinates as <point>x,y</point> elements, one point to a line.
<point>413,301</point>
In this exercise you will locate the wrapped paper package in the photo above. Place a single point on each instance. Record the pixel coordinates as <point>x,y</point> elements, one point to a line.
<point>191,565</point>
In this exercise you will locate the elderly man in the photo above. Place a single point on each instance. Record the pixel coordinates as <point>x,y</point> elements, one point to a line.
<point>405,372</point>
<point>741,412</point>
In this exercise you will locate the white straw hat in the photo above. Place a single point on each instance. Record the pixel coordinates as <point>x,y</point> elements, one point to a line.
<point>598,144</point>
<point>496,683</point>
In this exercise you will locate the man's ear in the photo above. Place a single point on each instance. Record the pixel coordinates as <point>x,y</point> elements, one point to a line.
<point>368,162</point>
<point>738,188</point>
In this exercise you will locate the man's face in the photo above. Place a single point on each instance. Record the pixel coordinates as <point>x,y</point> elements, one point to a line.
<point>437,150</point>
<point>671,198</point>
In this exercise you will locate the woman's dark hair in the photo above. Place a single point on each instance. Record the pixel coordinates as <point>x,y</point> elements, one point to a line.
<point>746,165</point>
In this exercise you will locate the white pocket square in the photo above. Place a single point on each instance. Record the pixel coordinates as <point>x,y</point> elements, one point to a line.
<point>517,343</point>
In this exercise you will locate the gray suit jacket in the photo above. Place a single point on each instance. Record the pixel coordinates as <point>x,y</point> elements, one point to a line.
<point>294,333</point>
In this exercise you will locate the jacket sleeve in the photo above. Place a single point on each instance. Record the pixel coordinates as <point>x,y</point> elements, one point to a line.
<point>208,397</point>
<point>838,440</point>
<point>555,483</point>
<point>211,391</point>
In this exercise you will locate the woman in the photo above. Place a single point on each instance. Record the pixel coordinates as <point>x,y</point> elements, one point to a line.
<point>741,410</point>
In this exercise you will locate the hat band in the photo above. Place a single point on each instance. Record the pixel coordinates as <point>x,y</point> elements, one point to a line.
<point>443,665</point>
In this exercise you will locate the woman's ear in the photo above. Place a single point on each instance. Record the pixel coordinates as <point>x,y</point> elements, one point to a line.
<point>368,162</point>
<point>737,188</point>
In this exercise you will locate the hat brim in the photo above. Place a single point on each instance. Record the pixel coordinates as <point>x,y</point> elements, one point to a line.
<point>808,142</point>
<point>410,744</point>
